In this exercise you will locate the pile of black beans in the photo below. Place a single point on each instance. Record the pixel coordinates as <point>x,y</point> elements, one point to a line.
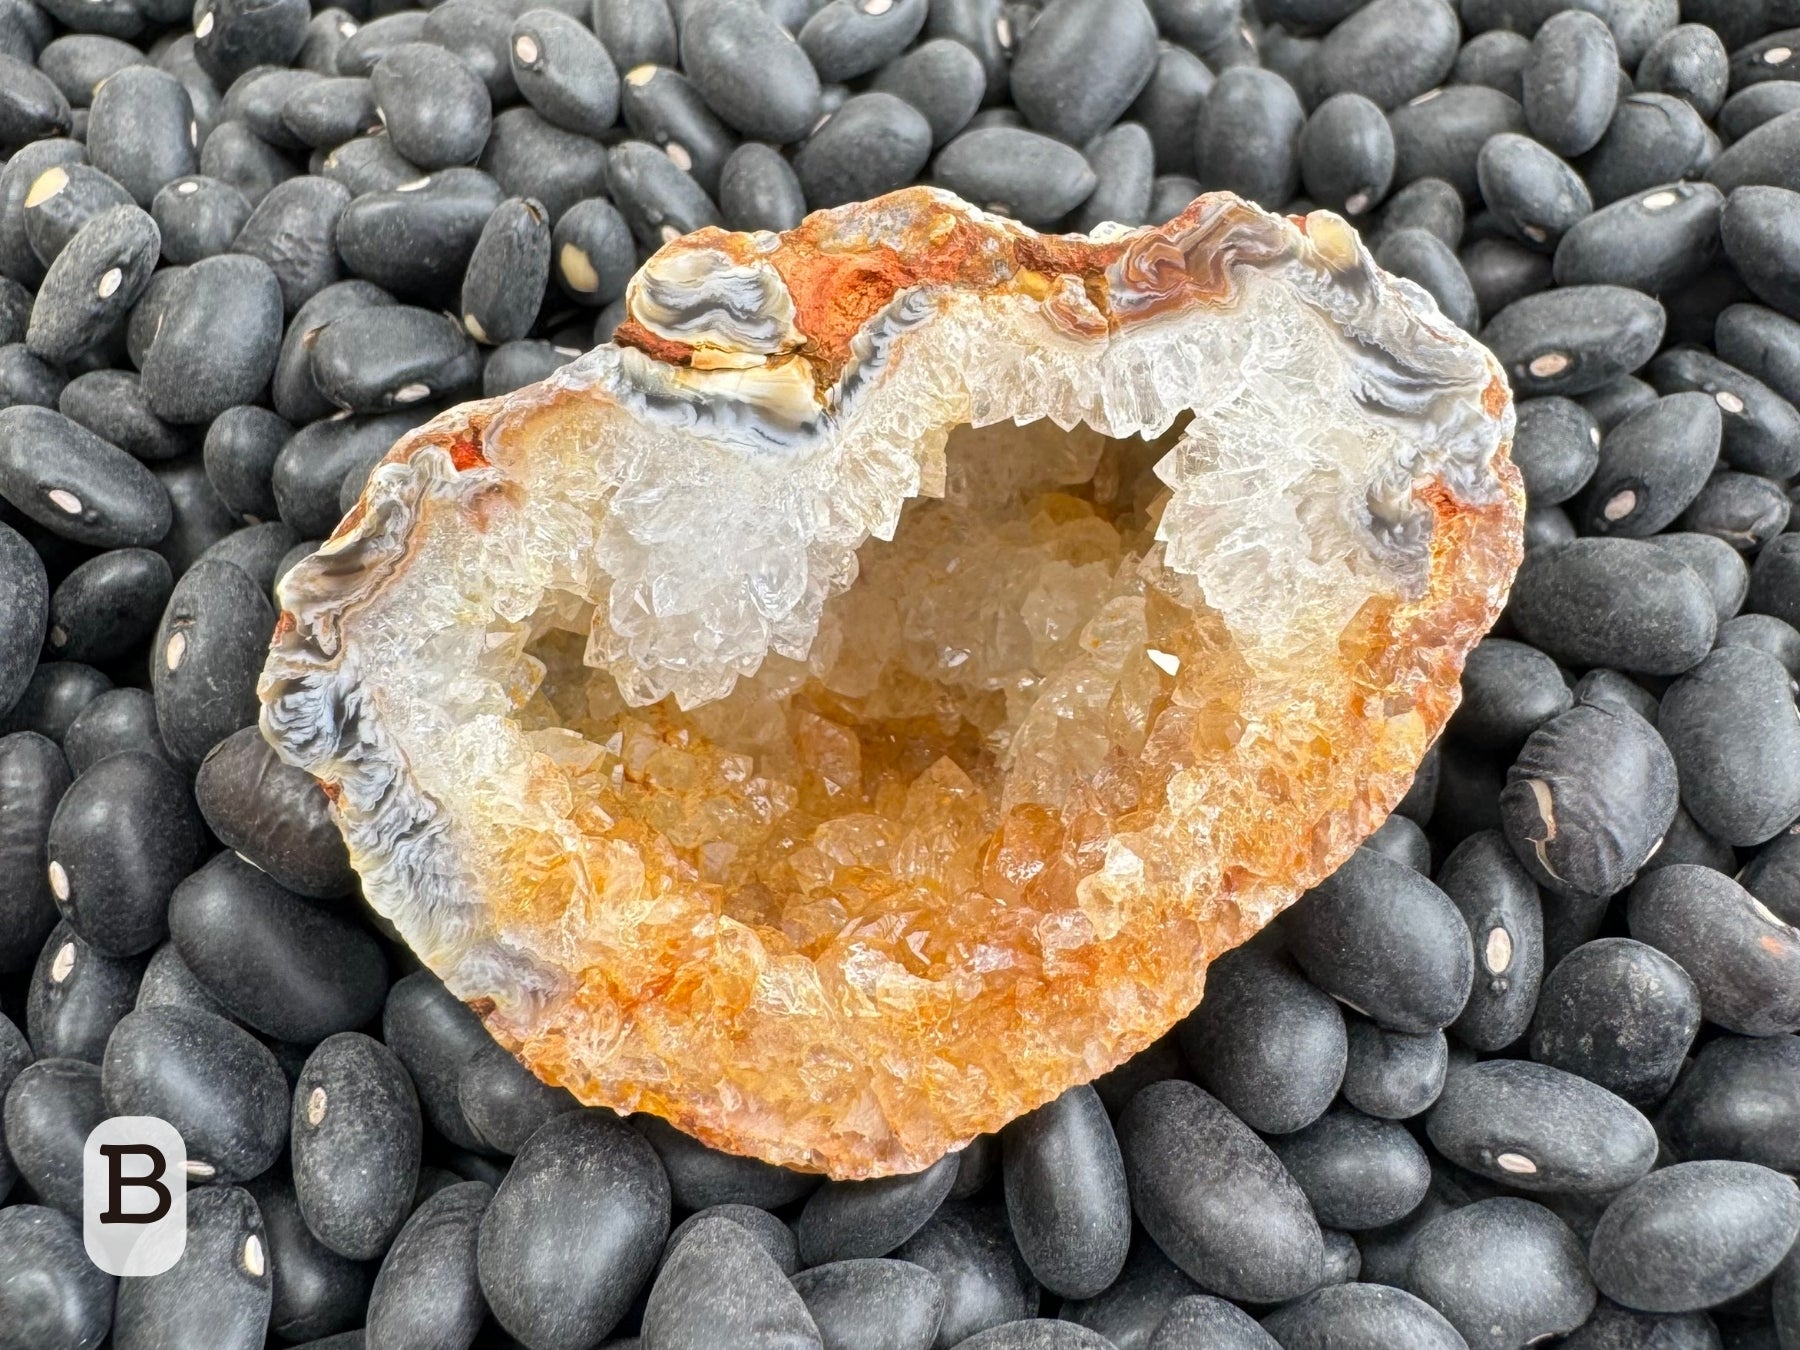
<point>1523,1071</point>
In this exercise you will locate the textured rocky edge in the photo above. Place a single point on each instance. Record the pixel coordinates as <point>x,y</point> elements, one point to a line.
<point>767,345</point>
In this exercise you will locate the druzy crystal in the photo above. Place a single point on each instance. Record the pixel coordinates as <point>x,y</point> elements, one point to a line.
<point>858,704</point>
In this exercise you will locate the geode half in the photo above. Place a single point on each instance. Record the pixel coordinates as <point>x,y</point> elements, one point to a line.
<point>857,705</point>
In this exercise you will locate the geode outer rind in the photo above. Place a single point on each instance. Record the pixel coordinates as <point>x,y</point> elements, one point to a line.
<point>859,993</point>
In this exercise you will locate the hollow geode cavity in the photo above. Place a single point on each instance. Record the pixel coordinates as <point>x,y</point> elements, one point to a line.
<point>857,705</point>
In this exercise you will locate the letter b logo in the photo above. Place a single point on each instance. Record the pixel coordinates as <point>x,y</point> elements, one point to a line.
<point>134,1195</point>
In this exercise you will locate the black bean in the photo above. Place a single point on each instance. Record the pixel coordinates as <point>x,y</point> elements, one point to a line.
<point>1556,445</point>
<point>1732,726</point>
<point>356,1133</point>
<point>235,154</point>
<point>1354,1317</point>
<point>1614,602</point>
<point>316,1291</point>
<point>280,964</point>
<point>1538,1128</point>
<point>219,1293</point>
<point>1775,579</point>
<point>1501,272</point>
<point>1575,339</point>
<point>775,1237</point>
<point>719,1285</point>
<point>1762,344</point>
<point>1755,106</point>
<point>1124,167</point>
<point>563,71</point>
<point>636,32</point>
<point>1503,1272</point>
<point>1693,1235</point>
<point>1080,66</point>
<point>873,1304</point>
<point>417,239</point>
<point>1738,1099</point>
<point>1588,798</point>
<point>658,199</point>
<point>1713,560</point>
<point>200,519</point>
<point>390,356</point>
<point>26,165</point>
<point>1617,1013</point>
<point>313,466</point>
<point>876,142</point>
<point>477,35</point>
<point>1741,510</point>
<point>24,612</point>
<point>112,405</point>
<point>31,107</point>
<point>273,815</point>
<point>256,549</point>
<point>76,63</point>
<point>1383,940</point>
<point>573,1231</point>
<point>1765,156</point>
<point>1652,466</point>
<point>326,113</point>
<point>1439,134</point>
<point>1267,1043</point>
<point>240,451</point>
<point>56,692</point>
<point>140,130</point>
<point>1065,1194</point>
<point>1346,154</point>
<point>108,605</point>
<point>1170,195</point>
<point>233,36</point>
<point>1389,51</point>
<point>754,75</point>
<point>1399,838</point>
<point>1357,1171</point>
<point>513,365</point>
<point>1247,140</point>
<point>256,99</point>
<point>1009,170</point>
<point>295,396</point>
<point>168,983</point>
<point>1393,1075</point>
<point>427,1291</point>
<point>1616,400</point>
<point>435,1036</point>
<point>1769,57</point>
<point>1610,689</point>
<point>662,107</point>
<point>209,1078</point>
<point>1571,82</point>
<point>1500,905</point>
<point>1035,1333</point>
<point>504,1102</point>
<point>1495,58</point>
<point>25,379</point>
<point>847,1219</point>
<point>757,191</point>
<point>942,79</point>
<point>1130,1311</point>
<point>1170,104</point>
<point>33,778</point>
<point>62,199</point>
<point>217,342</point>
<point>51,1294</point>
<point>94,281</point>
<point>985,1281</point>
<point>50,1109</point>
<point>1761,430</point>
<point>294,230</point>
<point>79,486</point>
<point>122,836</point>
<point>366,164</point>
<point>208,652</point>
<point>376,38</point>
<point>1536,195</point>
<point>1615,1328</point>
<point>1653,139</point>
<point>594,252</point>
<point>1742,958</point>
<point>1422,257</point>
<point>1765,633</point>
<point>1215,1198</point>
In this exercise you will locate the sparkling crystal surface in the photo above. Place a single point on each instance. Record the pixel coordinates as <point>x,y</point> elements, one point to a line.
<point>859,705</point>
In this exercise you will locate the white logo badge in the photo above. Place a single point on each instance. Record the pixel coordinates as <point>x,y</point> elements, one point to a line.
<point>134,1195</point>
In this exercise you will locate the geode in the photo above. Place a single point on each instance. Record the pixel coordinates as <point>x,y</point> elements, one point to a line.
<point>856,705</point>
